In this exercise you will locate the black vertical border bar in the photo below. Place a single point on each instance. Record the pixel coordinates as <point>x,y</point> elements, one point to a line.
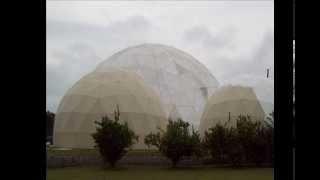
<point>42,58</point>
<point>283,64</point>
<point>294,19</point>
<point>294,118</point>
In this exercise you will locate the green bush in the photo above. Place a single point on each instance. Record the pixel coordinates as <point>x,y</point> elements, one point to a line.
<point>113,138</point>
<point>176,141</point>
<point>248,142</point>
<point>50,116</point>
<point>234,148</point>
<point>152,139</point>
<point>216,141</point>
<point>247,135</point>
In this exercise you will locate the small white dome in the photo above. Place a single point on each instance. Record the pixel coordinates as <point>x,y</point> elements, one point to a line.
<point>96,95</point>
<point>228,103</point>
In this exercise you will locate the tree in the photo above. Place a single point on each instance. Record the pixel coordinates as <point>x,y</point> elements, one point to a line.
<point>246,131</point>
<point>49,123</point>
<point>270,120</point>
<point>248,142</point>
<point>113,138</point>
<point>176,142</point>
<point>234,148</point>
<point>269,136</point>
<point>216,141</point>
<point>256,138</point>
<point>153,139</point>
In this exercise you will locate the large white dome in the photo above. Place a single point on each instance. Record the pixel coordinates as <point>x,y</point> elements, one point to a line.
<point>97,94</point>
<point>182,83</point>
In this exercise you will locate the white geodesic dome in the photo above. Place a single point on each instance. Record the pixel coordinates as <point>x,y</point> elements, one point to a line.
<point>181,81</point>
<point>227,103</point>
<point>97,94</point>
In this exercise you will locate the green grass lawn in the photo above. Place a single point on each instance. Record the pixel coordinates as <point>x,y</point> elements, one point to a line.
<point>159,173</point>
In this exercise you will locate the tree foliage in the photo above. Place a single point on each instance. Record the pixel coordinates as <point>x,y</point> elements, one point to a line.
<point>248,142</point>
<point>216,141</point>
<point>177,141</point>
<point>49,123</point>
<point>113,138</point>
<point>152,139</point>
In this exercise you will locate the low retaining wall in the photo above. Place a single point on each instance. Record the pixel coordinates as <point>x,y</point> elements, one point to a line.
<point>67,161</point>
<point>154,160</point>
<point>58,161</point>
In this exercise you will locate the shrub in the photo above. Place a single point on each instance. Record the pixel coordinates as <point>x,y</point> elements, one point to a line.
<point>176,142</point>
<point>248,142</point>
<point>247,136</point>
<point>216,141</point>
<point>113,138</point>
<point>50,124</point>
<point>234,148</point>
<point>152,139</point>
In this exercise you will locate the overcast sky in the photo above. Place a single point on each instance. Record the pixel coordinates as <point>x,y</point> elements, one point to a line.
<point>234,40</point>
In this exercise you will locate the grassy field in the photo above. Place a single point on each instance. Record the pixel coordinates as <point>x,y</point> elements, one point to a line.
<point>159,173</point>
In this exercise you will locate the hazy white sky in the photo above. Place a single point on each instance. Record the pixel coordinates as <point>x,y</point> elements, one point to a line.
<point>233,39</point>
